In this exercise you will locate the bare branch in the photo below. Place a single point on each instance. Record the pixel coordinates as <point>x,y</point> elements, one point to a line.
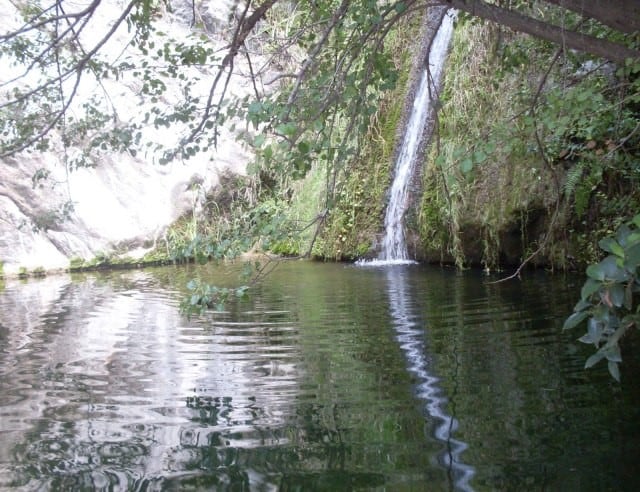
<point>50,125</point>
<point>314,53</point>
<point>32,25</point>
<point>78,70</point>
<point>244,27</point>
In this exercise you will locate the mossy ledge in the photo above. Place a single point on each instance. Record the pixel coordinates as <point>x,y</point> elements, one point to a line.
<point>114,262</point>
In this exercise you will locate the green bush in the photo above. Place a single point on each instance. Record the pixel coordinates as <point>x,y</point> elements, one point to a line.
<point>609,296</point>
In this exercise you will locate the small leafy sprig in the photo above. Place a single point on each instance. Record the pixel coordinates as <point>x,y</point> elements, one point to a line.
<point>609,297</point>
<point>205,296</point>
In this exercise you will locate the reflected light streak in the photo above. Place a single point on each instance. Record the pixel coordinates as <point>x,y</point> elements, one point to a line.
<point>410,337</point>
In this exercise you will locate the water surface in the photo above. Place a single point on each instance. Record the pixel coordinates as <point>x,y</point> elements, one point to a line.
<point>327,377</point>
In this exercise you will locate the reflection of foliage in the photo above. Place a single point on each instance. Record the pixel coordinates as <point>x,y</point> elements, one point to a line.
<point>609,295</point>
<point>210,409</point>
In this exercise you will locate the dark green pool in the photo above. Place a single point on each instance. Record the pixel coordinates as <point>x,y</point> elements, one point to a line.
<point>327,377</point>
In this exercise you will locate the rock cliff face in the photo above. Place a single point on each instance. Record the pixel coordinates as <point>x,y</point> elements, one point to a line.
<point>124,204</point>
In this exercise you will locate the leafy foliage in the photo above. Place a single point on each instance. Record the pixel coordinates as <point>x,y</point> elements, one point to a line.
<point>538,152</point>
<point>321,112</point>
<point>235,218</point>
<point>204,296</point>
<point>609,297</point>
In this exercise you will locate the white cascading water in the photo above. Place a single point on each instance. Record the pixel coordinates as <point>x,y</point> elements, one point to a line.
<point>394,247</point>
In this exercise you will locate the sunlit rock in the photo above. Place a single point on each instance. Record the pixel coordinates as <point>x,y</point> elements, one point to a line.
<point>124,204</point>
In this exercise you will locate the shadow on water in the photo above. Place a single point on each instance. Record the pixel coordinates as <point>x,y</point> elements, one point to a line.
<point>411,338</point>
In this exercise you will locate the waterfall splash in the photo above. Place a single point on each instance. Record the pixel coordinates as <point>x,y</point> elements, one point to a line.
<point>394,247</point>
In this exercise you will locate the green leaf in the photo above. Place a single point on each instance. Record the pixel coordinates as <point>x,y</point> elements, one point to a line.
<point>479,157</point>
<point>622,235</point>
<point>614,370</point>
<point>610,245</point>
<point>608,269</point>
<point>632,256</point>
<point>596,272</point>
<point>601,313</point>
<point>590,287</point>
<point>574,320</point>
<point>287,129</point>
<point>400,7</point>
<point>466,165</point>
<point>259,140</point>
<point>616,294</point>
<point>586,338</point>
<point>612,352</point>
<point>582,305</point>
<point>594,329</point>
<point>636,221</point>
<point>594,359</point>
<point>254,108</point>
<point>634,237</point>
<point>303,147</point>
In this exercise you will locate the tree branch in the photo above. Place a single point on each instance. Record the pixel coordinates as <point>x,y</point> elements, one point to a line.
<point>571,39</point>
<point>244,27</point>
<point>78,68</point>
<point>621,15</point>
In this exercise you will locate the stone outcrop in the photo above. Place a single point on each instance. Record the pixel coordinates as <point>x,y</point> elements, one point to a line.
<point>124,204</point>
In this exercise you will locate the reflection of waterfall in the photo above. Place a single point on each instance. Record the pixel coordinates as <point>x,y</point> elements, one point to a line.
<point>394,246</point>
<point>411,339</point>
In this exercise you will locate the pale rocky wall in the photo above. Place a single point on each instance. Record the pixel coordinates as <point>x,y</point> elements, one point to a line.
<point>125,203</point>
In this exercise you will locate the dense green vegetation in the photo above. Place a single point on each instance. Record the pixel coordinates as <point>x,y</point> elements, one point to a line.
<point>357,210</point>
<point>537,152</point>
<point>609,296</point>
<point>536,155</point>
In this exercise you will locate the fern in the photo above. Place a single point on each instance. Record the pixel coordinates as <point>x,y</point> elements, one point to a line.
<point>573,178</point>
<point>581,180</point>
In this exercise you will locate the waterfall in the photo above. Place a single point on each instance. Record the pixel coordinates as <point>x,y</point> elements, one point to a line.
<point>394,247</point>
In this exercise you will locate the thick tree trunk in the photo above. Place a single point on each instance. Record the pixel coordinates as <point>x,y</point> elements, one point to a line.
<point>570,39</point>
<point>621,15</point>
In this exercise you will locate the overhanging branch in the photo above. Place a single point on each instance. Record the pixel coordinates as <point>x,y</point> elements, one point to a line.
<point>621,15</point>
<point>570,39</point>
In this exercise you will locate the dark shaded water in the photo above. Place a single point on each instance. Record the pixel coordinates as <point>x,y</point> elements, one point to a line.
<point>328,377</point>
